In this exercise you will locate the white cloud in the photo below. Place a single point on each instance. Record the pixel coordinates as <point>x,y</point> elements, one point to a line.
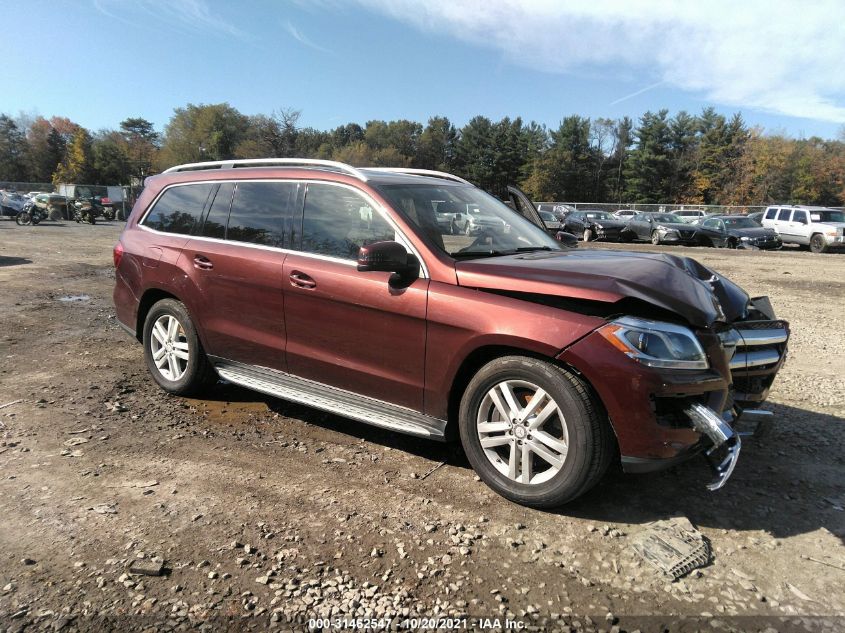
<point>185,14</point>
<point>778,56</point>
<point>300,37</point>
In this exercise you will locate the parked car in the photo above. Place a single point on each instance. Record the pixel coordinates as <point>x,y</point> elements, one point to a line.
<point>54,206</point>
<point>659,228</point>
<point>690,215</point>
<point>11,203</point>
<point>819,228</point>
<point>736,231</point>
<point>560,211</point>
<point>592,224</point>
<point>757,217</point>
<point>625,214</point>
<point>547,363</point>
<point>550,220</point>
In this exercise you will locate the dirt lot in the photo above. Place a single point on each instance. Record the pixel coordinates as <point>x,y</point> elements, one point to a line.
<point>263,510</point>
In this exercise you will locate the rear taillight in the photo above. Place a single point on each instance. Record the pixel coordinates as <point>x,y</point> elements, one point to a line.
<point>117,254</point>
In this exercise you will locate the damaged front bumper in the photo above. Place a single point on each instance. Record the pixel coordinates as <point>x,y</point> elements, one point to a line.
<point>663,418</point>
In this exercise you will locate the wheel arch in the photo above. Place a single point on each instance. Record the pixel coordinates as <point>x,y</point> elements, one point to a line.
<point>150,297</point>
<point>483,355</point>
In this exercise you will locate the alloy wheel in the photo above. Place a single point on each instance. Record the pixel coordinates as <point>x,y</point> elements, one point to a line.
<point>169,347</point>
<point>522,432</point>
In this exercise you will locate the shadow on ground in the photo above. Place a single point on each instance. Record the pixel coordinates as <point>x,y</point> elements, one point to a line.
<point>13,261</point>
<point>785,484</point>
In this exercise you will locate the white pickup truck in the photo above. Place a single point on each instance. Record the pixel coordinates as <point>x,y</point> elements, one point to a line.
<point>819,228</point>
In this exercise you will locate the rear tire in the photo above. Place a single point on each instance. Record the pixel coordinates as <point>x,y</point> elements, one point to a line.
<point>541,456</point>
<point>173,351</point>
<point>817,243</point>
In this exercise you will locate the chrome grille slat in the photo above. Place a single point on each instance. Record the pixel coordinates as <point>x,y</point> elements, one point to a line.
<point>763,337</point>
<point>755,358</point>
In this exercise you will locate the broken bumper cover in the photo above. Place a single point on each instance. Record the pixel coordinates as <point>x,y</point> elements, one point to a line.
<point>723,438</point>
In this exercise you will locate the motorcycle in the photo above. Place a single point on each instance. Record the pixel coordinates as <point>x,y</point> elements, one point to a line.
<point>85,210</point>
<point>30,214</point>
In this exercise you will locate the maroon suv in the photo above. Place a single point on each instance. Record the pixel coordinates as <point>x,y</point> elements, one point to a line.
<point>343,289</point>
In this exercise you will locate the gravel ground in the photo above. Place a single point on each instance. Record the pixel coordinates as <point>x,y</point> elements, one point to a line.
<point>257,511</point>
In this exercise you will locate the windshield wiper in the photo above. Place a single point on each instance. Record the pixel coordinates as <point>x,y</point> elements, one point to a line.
<point>528,249</point>
<point>470,254</point>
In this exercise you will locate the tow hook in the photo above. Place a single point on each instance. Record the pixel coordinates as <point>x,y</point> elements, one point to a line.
<point>709,423</point>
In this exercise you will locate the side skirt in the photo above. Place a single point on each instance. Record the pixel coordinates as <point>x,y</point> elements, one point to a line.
<point>326,398</point>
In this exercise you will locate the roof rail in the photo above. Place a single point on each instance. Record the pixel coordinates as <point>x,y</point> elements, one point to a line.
<point>421,172</point>
<point>330,165</point>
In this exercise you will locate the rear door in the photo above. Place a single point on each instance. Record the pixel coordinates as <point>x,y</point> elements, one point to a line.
<point>784,226</point>
<point>345,328</point>
<point>236,263</point>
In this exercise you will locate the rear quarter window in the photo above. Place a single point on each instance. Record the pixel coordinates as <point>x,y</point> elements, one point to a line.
<point>179,209</point>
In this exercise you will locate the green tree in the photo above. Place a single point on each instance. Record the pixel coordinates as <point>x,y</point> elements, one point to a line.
<point>110,159</point>
<point>648,171</point>
<point>437,145</point>
<point>12,151</point>
<point>202,133</point>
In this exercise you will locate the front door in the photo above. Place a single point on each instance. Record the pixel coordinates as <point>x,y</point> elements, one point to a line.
<point>345,328</point>
<point>236,264</point>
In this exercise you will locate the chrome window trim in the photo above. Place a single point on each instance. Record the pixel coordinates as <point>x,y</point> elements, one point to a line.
<point>401,237</point>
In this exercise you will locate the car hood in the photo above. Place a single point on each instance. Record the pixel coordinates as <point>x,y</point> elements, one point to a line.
<point>752,232</point>
<point>678,284</point>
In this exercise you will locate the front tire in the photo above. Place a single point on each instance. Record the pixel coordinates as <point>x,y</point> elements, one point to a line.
<point>23,218</point>
<point>588,235</point>
<point>817,243</point>
<point>655,238</point>
<point>173,351</point>
<point>534,432</point>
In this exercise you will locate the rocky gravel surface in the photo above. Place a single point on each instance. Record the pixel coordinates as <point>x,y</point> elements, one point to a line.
<point>122,508</point>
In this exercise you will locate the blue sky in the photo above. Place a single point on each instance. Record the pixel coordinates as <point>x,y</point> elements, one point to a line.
<point>100,61</point>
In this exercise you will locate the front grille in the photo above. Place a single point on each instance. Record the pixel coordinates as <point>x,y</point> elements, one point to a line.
<point>760,348</point>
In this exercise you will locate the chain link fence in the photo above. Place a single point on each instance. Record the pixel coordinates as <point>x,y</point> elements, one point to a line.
<point>710,209</point>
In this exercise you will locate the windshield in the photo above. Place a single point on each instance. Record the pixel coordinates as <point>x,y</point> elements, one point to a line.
<point>827,216</point>
<point>741,223</point>
<point>477,224</point>
<point>547,217</point>
<point>597,215</point>
<point>666,217</point>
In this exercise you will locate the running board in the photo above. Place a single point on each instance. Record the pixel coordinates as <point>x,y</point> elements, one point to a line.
<point>326,398</point>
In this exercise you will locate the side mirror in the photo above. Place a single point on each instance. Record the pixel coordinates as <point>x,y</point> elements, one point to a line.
<point>390,257</point>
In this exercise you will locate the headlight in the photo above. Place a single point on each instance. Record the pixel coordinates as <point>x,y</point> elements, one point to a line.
<point>745,239</point>
<point>655,343</point>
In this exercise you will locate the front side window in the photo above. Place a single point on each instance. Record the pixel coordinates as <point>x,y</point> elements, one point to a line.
<point>770,214</point>
<point>338,221</point>
<point>258,211</point>
<point>711,224</point>
<point>179,209</point>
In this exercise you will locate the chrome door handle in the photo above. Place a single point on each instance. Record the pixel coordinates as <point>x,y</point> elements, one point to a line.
<point>202,262</point>
<point>301,280</point>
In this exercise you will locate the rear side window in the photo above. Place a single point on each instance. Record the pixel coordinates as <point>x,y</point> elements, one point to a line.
<point>338,221</point>
<point>783,214</point>
<point>258,212</point>
<point>179,209</point>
